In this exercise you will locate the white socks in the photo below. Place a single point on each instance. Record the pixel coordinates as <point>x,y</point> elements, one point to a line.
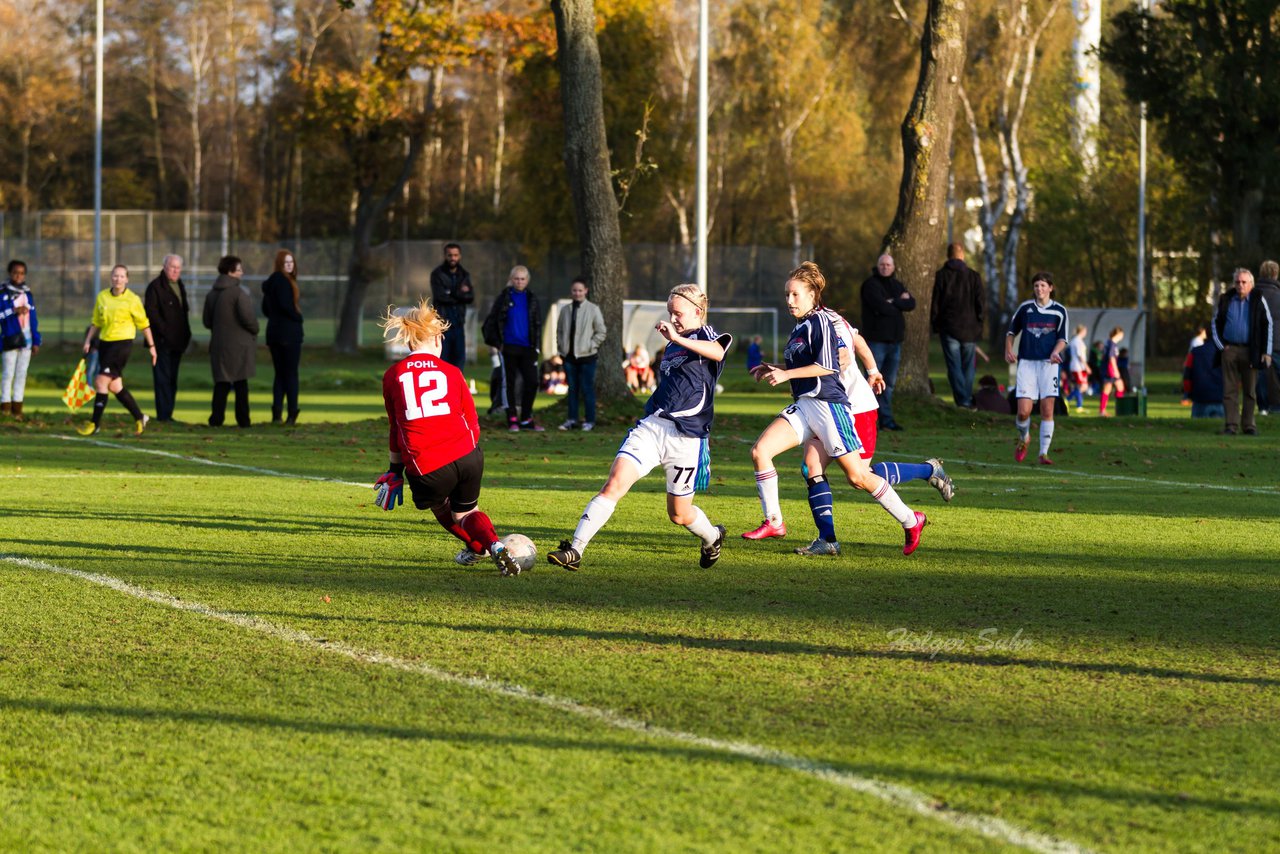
<point>598,511</point>
<point>1024,427</point>
<point>894,505</point>
<point>702,528</point>
<point>1046,436</point>
<point>767,487</point>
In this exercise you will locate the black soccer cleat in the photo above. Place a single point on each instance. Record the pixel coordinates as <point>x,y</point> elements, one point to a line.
<point>711,553</point>
<point>566,556</point>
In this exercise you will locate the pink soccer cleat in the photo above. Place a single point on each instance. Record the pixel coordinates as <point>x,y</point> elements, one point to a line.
<point>1045,461</point>
<point>766,530</point>
<point>1020,450</point>
<point>913,533</point>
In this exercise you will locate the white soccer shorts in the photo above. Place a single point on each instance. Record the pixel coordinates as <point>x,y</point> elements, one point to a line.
<point>1037,379</point>
<point>656,441</point>
<point>831,422</point>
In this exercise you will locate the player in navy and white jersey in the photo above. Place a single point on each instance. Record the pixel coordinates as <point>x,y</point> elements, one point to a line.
<point>434,438</point>
<point>672,434</point>
<point>1043,324</point>
<point>862,393</point>
<point>821,410</point>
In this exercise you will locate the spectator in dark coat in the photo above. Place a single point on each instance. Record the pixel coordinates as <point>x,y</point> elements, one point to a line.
<point>1267,332</point>
<point>884,299</point>
<point>1202,381</point>
<point>956,313</point>
<point>1235,330</point>
<point>169,313</point>
<point>514,325</point>
<point>451,293</point>
<point>229,314</point>
<point>280,297</point>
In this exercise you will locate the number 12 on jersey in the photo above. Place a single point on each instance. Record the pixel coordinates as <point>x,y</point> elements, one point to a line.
<point>431,402</point>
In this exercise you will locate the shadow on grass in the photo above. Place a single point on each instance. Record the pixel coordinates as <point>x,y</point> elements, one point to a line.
<point>783,647</point>
<point>1061,788</point>
<point>1158,598</point>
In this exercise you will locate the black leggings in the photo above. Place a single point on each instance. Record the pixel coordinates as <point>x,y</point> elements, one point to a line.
<point>285,359</point>
<point>521,367</point>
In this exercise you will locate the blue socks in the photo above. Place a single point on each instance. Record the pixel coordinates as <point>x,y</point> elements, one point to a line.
<point>897,473</point>
<point>821,506</point>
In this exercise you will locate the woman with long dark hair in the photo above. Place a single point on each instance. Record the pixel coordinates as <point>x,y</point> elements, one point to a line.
<point>284,334</point>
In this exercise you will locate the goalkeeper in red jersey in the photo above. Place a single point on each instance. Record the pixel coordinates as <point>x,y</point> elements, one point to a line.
<point>435,438</point>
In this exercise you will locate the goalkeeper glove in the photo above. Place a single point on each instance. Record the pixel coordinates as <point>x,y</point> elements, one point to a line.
<point>388,491</point>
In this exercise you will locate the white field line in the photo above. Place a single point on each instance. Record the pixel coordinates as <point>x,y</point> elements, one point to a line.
<point>893,793</point>
<point>1147,481</point>
<point>1259,490</point>
<point>202,461</point>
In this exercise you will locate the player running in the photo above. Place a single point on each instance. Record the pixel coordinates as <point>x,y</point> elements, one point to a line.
<point>1043,324</point>
<point>862,398</point>
<point>435,438</point>
<point>821,410</point>
<point>672,434</point>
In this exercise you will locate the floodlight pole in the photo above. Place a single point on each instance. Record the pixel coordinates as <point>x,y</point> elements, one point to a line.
<point>1145,5</point>
<point>97,154</point>
<point>703,39</point>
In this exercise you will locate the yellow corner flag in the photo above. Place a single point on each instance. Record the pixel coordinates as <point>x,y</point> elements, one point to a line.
<point>78,392</point>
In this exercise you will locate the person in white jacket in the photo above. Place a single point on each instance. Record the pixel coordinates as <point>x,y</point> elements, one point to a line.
<point>580,331</point>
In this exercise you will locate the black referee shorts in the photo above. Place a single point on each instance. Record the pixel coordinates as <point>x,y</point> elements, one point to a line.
<point>458,481</point>
<point>113,356</point>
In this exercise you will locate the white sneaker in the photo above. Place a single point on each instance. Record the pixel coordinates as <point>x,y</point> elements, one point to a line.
<point>588,426</point>
<point>569,425</point>
<point>466,557</point>
<point>819,547</point>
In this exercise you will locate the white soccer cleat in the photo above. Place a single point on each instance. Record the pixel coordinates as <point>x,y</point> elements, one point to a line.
<point>819,547</point>
<point>466,557</point>
<point>940,481</point>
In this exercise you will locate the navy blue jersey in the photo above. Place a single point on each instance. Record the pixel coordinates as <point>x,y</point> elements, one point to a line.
<point>815,341</point>
<point>687,385</point>
<point>1041,328</point>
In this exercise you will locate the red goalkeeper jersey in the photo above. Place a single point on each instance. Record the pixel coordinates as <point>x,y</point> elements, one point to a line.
<point>433,418</point>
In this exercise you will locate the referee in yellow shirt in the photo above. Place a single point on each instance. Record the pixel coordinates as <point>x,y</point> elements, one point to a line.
<point>118,313</point>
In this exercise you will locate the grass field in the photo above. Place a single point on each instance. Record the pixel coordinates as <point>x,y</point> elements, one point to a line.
<point>212,639</point>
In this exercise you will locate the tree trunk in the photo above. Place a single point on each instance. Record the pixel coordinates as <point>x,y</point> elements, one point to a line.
<point>919,229</point>
<point>370,206</point>
<point>153,107</point>
<point>586,155</point>
<point>499,149</point>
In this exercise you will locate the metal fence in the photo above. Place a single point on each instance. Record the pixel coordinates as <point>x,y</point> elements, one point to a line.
<point>64,283</point>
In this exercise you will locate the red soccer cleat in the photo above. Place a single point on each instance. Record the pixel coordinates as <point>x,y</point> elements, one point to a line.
<point>766,530</point>
<point>1020,450</point>
<point>913,533</point>
<point>1045,461</point>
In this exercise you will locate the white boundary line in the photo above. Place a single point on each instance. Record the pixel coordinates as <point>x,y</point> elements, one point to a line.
<point>1049,472</point>
<point>202,461</point>
<point>1260,490</point>
<point>892,793</point>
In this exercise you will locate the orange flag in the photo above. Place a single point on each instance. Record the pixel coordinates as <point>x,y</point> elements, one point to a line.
<point>78,392</point>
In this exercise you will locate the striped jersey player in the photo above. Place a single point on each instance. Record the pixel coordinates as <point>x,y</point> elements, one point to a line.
<point>862,399</point>
<point>821,410</point>
<point>673,432</point>
<point>1042,324</point>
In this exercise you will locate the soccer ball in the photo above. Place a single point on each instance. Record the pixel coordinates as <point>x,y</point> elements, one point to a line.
<point>522,549</point>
